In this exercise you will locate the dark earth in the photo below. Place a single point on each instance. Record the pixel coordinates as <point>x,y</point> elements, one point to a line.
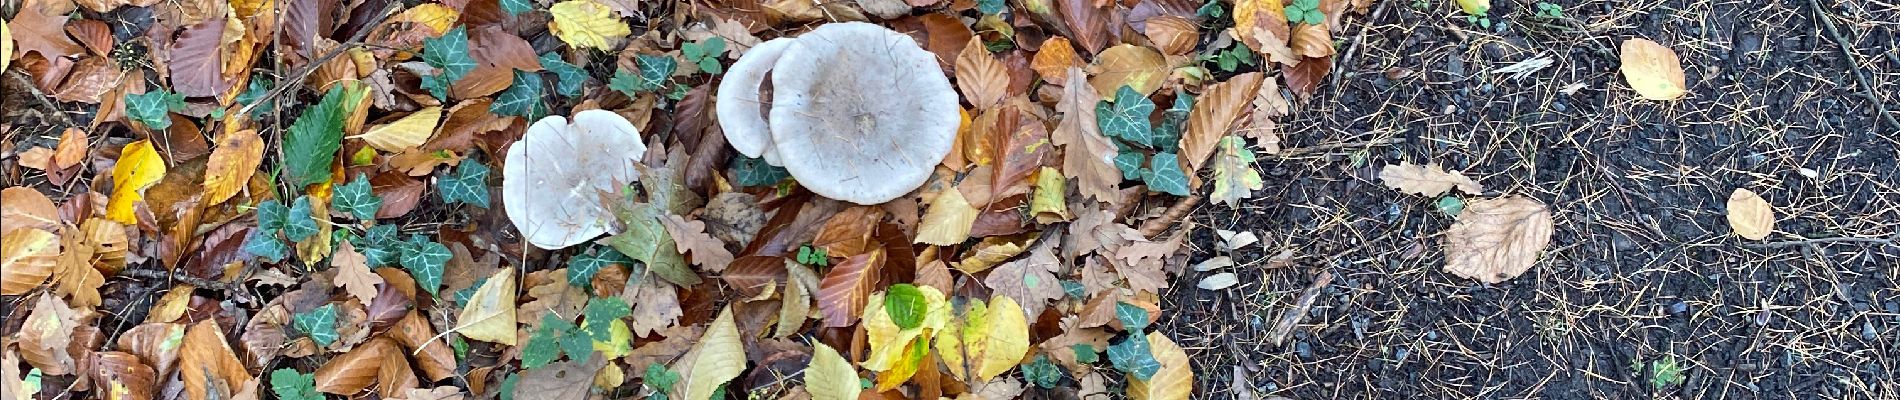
<point>1643,272</point>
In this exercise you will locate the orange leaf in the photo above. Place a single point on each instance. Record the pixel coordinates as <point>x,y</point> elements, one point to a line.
<point>1311,41</point>
<point>848,233</point>
<point>356,370</point>
<point>208,367</point>
<point>841,295</point>
<point>1173,34</point>
<point>1213,117</point>
<point>1053,61</point>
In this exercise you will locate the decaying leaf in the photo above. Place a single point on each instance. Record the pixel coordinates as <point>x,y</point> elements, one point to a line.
<point>1086,153</point>
<point>1749,215</point>
<point>1142,68</point>
<point>948,220</point>
<point>719,358</point>
<point>489,314</point>
<point>1214,115</point>
<point>988,341</point>
<point>1234,175</point>
<point>30,257</point>
<point>1175,379</point>
<point>1497,239</point>
<point>1031,280</point>
<point>1653,70</point>
<point>1430,180</point>
<point>410,131</point>
<point>209,368</point>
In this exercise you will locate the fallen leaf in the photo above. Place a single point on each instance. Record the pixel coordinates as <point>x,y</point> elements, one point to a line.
<point>1175,379</point>
<point>720,357</point>
<point>1497,239</point>
<point>1247,11</point>
<point>1086,153</point>
<point>355,370</point>
<point>1030,280</point>
<point>206,364</point>
<point>690,237</point>
<point>1128,65</point>
<point>566,380</point>
<point>43,32</point>
<point>1053,61</point>
<point>1173,34</point>
<point>6,52</point>
<point>1219,281</point>
<point>1653,70</point>
<point>587,24</point>
<point>989,341</point>
<point>22,207</point>
<point>1475,7</point>
<point>1087,22</point>
<point>231,165</point>
<point>122,376</point>
<point>30,257</point>
<point>489,314</point>
<point>898,350</point>
<point>844,291</point>
<point>438,393</point>
<point>1213,117</point>
<point>197,62</point>
<point>948,220</point>
<point>410,131</point>
<point>830,376</point>
<point>1311,41</point>
<point>1430,180</point>
<point>1750,216</point>
<point>139,167</point>
<point>983,80</point>
<point>1304,77</point>
<point>1234,175</point>
<point>1268,104</point>
<point>45,334</point>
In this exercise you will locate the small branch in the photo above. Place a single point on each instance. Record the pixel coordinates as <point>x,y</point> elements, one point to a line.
<point>1155,226</point>
<point>51,108</point>
<point>1293,315</point>
<point>1866,88</point>
<point>1886,241</point>
<point>1289,153</point>
<point>152,274</point>
<point>296,78</point>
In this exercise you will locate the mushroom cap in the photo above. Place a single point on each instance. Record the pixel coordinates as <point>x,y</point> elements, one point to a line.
<point>552,183</point>
<point>861,113</point>
<point>741,113</point>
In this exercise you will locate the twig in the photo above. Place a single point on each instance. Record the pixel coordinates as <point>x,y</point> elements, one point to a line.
<point>51,108</point>
<point>1866,89</point>
<point>150,274</point>
<point>1289,153</point>
<point>1346,60</point>
<point>1293,315</point>
<point>1156,225</point>
<point>297,77</point>
<point>1888,241</point>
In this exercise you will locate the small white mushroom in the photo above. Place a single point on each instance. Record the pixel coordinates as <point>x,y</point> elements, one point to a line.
<point>555,176</point>
<point>741,112</point>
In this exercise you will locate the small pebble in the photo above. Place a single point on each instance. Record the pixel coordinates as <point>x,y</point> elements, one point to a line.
<point>1810,173</point>
<point>1679,307</point>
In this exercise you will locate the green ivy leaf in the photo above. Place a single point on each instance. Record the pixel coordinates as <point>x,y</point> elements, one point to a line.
<point>569,78</point>
<point>1164,174</point>
<point>1085,353</point>
<point>1129,162</point>
<point>356,199</point>
<point>153,108</point>
<point>906,305</point>
<point>1127,117</point>
<point>265,244</point>
<point>545,345</point>
<point>516,7</point>
<point>1133,356</point>
<point>289,384</point>
<point>448,52</point>
<point>752,171</point>
<point>581,268</point>
<point>468,185</point>
<point>989,7</point>
<point>523,98</point>
<point>313,140</point>
<point>424,259</point>
<point>379,245</point>
<point>1168,135</point>
<point>1042,372</point>
<point>597,318</point>
<point>300,224</point>
<point>651,75</point>
<point>1134,318</point>
<point>272,215</point>
<point>1451,205</point>
<point>319,324</point>
<point>260,85</point>
<point>646,241</point>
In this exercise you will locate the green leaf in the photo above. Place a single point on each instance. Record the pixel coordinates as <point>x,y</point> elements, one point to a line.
<point>655,69</point>
<point>266,245</point>
<point>300,224</point>
<point>1042,372</point>
<point>659,378</point>
<point>1164,174</point>
<point>448,52</point>
<point>272,215</point>
<point>356,199</point>
<point>599,315</point>
<point>1133,356</point>
<point>523,98</point>
<point>1085,353</point>
<point>705,55</point>
<point>260,85</point>
<point>319,324</point>
<point>379,245</point>
<point>313,140</point>
<point>989,7</point>
<point>1129,162</point>
<point>569,78</point>
<point>1168,135</point>
<point>626,83</point>
<point>581,268</point>
<point>751,171</point>
<point>906,305</point>
<point>469,184</point>
<point>545,345</point>
<point>645,240</point>
<point>516,7</point>
<point>508,387</point>
<point>1127,117</point>
<point>424,259</point>
<point>1134,318</point>
<point>710,65</point>
<point>289,384</point>
<point>576,344</point>
<point>153,108</point>
<point>1451,205</point>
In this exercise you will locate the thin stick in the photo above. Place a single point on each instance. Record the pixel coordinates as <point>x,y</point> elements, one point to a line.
<point>1289,153</point>
<point>43,98</point>
<point>296,78</point>
<point>1153,227</point>
<point>1866,89</point>
<point>1888,241</point>
<point>1293,315</point>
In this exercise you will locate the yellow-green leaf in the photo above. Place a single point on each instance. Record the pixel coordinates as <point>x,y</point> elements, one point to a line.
<point>830,376</point>
<point>410,131</point>
<point>1048,204</point>
<point>6,45</point>
<point>619,340</point>
<point>948,220</point>
<point>990,340</point>
<point>1654,71</point>
<point>139,167</point>
<point>894,349</point>
<point>1175,380</point>
<point>1475,7</point>
<point>489,315</point>
<point>587,23</point>
<point>721,357</point>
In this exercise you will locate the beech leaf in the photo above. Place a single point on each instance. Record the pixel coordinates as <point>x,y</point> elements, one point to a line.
<point>1497,239</point>
<point>1653,70</point>
<point>1750,216</point>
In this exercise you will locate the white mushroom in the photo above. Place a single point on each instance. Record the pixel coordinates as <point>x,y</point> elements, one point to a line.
<point>554,178</point>
<point>859,113</point>
<point>741,112</point>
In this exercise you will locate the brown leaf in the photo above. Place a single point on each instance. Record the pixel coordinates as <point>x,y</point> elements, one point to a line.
<point>1087,155</point>
<point>352,273</point>
<point>354,371</point>
<point>38,31</point>
<point>399,192</point>
<point>1304,78</point>
<point>90,80</point>
<point>23,207</point>
<point>691,237</point>
<point>72,148</point>
<point>393,375</point>
<point>842,294</point>
<point>750,275</point>
<point>121,376</point>
<point>75,277</point>
<point>1653,70</point>
<point>1213,117</point>
<point>208,367</point>
<point>31,255</point>
<point>197,62</point>
<point>1174,35</point>
<point>1030,280</point>
<point>1087,22</point>
<point>1053,61</point>
<point>678,340</point>
<point>1268,104</point>
<point>1497,239</point>
<point>45,335</point>
<point>93,34</point>
<point>154,344</point>
<point>1128,65</point>
<point>1430,180</point>
<point>566,380</point>
<point>432,354</point>
<point>848,233</point>
<point>1270,39</point>
<point>1311,41</point>
<point>983,80</point>
<point>942,34</point>
<point>1750,216</point>
<point>497,55</point>
<point>1021,151</point>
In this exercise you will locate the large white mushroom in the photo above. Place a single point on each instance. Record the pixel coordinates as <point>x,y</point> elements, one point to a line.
<point>554,177</point>
<point>859,112</point>
<point>741,111</point>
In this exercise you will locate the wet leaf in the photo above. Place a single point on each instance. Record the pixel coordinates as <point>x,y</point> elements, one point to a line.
<point>1653,70</point>
<point>1749,215</point>
<point>587,24</point>
<point>1497,239</point>
<point>139,167</point>
<point>1430,180</point>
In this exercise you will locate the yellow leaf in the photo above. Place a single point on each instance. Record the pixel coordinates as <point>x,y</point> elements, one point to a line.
<point>619,341</point>
<point>30,255</point>
<point>990,341</point>
<point>897,352</point>
<point>1047,204</point>
<point>1475,7</point>
<point>405,133</point>
<point>232,164</point>
<point>490,313</point>
<point>949,219</point>
<point>1128,65</point>
<point>721,357</point>
<point>435,16</point>
<point>610,376</point>
<point>587,23</point>
<point>830,376</point>
<point>1749,215</point>
<point>139,167</point>
<point>1246,10</point>
<point>1175,380</point>
<point>6,45</point>
<point>1652,70</point>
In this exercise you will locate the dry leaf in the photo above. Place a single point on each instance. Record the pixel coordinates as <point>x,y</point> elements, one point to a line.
<point>983,80</point>
<point>1311,41</point>
<point>1128,65</point>
<point>410,131</point>
<point>1175,35</point>
<point>1053,61</point>
<point>1219,281</point>
<point>353,273</point>
<point>1497,239</point>
<point>587,23</point>
<point>355,370</point>
<point>1086,153</point>
<point>566,380</point>
<point>139,167</point>
<point>1749,215</point>
<point>1213,117</point>
<point>1175,379</point>
<point>209,368</point>
<point>948,220</point>
<point>1653,70</point>
<point>22,207</point>
<point>30,256</point>
<point>1268,104</point>
<point>45,335</point>
<point>1030,280</point>
<point>231,164</point>
<point>719,357</point>
<point>842,294</point>
<point>690,237</point>
<point>489,314</point>
<point>1430,180</point>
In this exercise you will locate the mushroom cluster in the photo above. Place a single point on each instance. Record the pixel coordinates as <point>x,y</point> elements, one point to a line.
<point>858,112</point>
<point>555,177</point>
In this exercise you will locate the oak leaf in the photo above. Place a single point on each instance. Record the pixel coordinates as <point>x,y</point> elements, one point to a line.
<point>1430,180</point>
<point>1497,239</point>
<point>1031,280</point>
<point>690,237</point>
<point>1086,153</point>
